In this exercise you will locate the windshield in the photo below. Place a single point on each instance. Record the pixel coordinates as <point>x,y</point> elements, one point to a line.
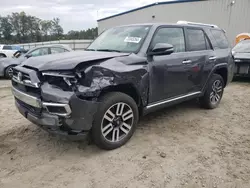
<point>121,39</point>
<point>242,47</point>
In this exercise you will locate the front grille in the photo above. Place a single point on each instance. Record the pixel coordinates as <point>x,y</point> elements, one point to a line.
<point>24,83</point>
<point>27,89</point>
<point>24,75</point>
<point>35,111</point>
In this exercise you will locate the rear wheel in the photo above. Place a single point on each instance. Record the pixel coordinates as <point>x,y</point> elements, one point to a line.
<point>213,93</point>
<point>9,72</point>
<point>115,121</point>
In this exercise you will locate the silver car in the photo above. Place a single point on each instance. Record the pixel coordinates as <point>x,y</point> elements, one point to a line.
<point>7,64</point>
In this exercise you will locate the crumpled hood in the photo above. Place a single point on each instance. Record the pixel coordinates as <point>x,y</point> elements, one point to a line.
<point>242,56</point>
<point>68,60</point>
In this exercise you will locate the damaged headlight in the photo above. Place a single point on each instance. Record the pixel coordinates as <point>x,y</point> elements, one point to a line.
<point>64,80</point>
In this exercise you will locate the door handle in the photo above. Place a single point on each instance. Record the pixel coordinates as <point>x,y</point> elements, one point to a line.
<point>213,58</point>
<point>186,61</point>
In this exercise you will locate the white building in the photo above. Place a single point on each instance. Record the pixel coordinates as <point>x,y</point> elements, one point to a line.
<point>230,15</point>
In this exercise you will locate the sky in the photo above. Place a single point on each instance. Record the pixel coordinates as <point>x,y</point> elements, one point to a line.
<point>74,14</point>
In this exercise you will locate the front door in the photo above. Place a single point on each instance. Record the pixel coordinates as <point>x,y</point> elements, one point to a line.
<point>175,74</point>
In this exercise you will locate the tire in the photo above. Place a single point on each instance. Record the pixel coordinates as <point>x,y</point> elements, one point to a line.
<point>8,72</point>
<point>115,109</point>
<point>213,93</point>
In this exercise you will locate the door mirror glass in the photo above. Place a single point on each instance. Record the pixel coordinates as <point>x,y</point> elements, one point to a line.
<point>162,49</point>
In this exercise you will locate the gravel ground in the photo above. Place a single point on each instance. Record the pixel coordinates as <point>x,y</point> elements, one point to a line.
<point>182,146</point>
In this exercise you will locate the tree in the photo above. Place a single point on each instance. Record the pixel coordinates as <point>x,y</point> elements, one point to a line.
<point>15,22</point>
<point>46,27</point>
<point>22,28</point>
<point>57,30</point>
<point>6,28</point>
<point>34,29</point>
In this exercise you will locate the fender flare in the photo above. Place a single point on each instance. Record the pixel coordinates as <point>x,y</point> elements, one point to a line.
<point>216,67</point>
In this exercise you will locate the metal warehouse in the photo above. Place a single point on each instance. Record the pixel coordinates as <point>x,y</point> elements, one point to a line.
<point>230,15</point>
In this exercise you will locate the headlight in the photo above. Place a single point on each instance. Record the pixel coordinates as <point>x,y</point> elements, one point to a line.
<point>63,80</point>
<point>237,60</point>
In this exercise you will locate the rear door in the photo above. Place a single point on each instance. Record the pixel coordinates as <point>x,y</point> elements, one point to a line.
<point>200,58</point>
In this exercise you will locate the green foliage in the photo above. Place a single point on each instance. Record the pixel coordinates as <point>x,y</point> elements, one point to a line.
<point>23,28</point>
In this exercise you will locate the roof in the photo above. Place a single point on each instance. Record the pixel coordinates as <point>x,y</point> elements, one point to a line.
<point>147,6</point>
<point>51,45</point>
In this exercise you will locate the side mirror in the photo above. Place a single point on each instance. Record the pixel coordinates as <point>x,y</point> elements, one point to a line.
<point>28,56</point>
<point>162,49</point>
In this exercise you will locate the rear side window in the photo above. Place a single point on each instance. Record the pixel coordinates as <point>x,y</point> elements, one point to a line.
<point>57,50</point>
<point>7,47</point>
<point>196,40</point>
<point>220,38</point>
<point>174,36</point>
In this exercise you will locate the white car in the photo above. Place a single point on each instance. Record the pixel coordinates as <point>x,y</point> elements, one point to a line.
<point>8,50</point>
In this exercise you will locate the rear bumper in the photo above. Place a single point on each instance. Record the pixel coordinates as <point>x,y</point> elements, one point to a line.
<point>242,69</point>
<point>75,123</point>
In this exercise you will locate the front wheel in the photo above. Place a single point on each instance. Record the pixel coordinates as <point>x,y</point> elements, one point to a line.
<point>115,121</point>
<point>9,72</point>
<point>213,93</point>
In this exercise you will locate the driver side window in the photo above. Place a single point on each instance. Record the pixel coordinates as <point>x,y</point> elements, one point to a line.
<point>174,36</point>
<point>40,52</point>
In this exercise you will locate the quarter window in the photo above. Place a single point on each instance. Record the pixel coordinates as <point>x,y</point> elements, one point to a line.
<point>220,38</point>
<point>196,40</point>
<point>174,36</point>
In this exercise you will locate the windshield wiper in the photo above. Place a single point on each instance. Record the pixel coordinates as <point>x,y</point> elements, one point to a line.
<point>107,50</point>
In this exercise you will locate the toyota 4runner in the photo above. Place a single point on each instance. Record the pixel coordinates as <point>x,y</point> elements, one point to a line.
<point>128,71</point>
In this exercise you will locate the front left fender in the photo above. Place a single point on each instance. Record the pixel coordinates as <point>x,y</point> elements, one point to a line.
<point>113,73</point>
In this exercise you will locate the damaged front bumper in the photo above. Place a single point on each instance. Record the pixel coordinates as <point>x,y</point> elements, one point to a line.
<point>69,116</point>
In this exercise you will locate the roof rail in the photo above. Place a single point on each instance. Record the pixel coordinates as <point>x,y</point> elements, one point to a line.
<point>195,23</point>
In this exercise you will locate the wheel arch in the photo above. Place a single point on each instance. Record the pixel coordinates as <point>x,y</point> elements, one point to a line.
<point>5,69</point>
<point>3,54</point>
<point>128,89</point>
<point>220,69</point>
<point>223,72</point>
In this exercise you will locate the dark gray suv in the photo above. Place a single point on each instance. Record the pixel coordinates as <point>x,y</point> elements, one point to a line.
<point>128,71</point>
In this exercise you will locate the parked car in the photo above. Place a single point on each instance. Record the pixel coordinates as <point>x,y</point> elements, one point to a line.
<point>241,54</point>
<point>9,50</point>
<point>128,71</point>
<point>7,64</point>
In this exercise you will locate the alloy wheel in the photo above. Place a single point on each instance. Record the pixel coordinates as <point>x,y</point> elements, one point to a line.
<point>117,122</point>
<point>10,72</point>
<point>216,93</point>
